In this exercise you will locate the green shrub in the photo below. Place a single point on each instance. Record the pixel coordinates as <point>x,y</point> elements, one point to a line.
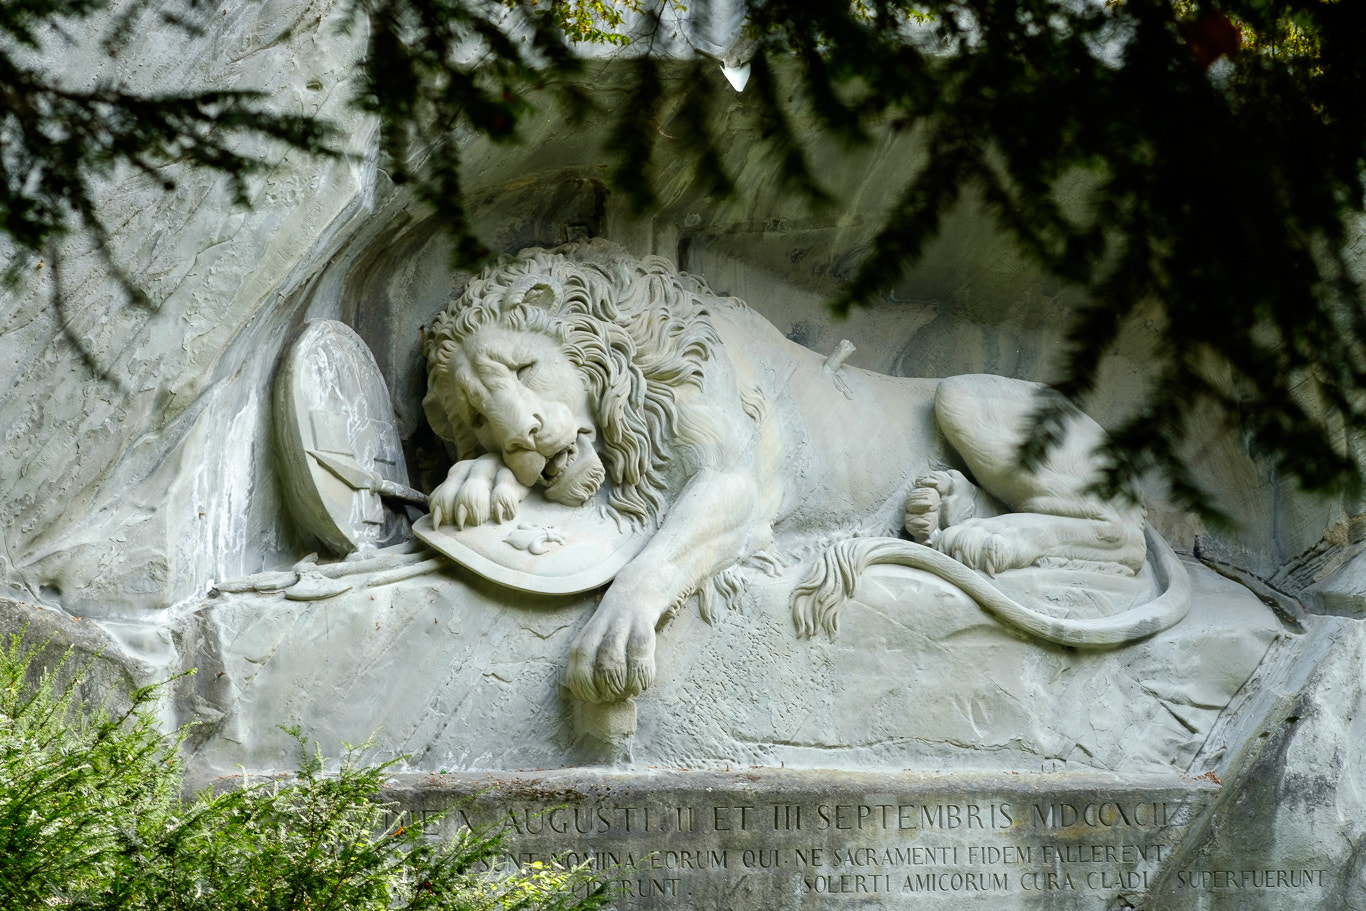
<point>92,816</point>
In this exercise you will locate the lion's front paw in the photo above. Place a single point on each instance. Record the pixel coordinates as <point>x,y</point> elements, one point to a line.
<point>940,499</point>
<point>475,491</point>
<point>978,547</point>
<point>614,657</point>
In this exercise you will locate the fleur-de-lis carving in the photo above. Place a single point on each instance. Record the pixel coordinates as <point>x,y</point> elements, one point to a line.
<point>534,539</point>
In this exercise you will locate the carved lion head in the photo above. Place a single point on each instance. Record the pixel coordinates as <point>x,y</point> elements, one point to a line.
<point>636,330</point>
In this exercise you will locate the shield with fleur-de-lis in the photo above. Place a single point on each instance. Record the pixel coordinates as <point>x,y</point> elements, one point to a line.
<point>547,548</point>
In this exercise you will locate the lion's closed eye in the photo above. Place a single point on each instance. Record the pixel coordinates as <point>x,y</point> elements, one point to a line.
<point>524,370</point>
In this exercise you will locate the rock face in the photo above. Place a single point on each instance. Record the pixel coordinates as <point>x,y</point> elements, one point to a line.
<point>1212,764</point>
<point>444,669</point>
<point>139,436</point>
<point>921,670</point>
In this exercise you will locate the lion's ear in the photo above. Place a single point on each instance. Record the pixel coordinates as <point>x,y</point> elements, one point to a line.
<point>532,290</point>
<point>541,294</point>
<point>461,443</point>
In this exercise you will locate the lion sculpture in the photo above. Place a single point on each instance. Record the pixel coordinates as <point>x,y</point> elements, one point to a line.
<point>568,369</point>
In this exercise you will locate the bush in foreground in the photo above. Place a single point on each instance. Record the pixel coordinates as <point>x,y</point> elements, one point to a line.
<point>92,816</point>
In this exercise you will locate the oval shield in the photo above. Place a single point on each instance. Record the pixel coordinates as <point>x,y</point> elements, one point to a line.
<point>334,426</point>
<point>547,549</point>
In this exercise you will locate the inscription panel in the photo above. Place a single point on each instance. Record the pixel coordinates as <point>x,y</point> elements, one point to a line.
<point>773,839</point>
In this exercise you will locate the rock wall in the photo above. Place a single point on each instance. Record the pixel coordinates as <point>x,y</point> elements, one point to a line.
<point>140,472</point>
<point>138,438</point>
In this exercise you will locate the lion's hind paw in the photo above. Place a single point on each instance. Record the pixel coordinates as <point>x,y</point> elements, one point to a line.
<point>922,514</point>
<point>939,500</point>
<point>978,547</point>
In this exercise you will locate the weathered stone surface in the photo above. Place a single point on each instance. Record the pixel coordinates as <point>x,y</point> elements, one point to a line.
<point>139,456</point>
<point>135,492</point>
<point>446,670</point>
<point>780,840</point>
<point>1288,829</point>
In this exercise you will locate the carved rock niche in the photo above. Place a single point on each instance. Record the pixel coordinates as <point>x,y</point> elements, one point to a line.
<point>879,660</point>
<point>664,567</point>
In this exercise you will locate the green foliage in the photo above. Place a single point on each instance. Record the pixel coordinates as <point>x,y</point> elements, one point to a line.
<point>594,21</point>
<point>92,817</point>
<point>437,71</point>
<point>1196,164</point>
<point>1217,195</point>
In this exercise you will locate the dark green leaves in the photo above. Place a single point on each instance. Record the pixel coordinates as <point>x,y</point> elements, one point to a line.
<point>1215,192</point>
<point>1196,160</point>
<point>92,817</point>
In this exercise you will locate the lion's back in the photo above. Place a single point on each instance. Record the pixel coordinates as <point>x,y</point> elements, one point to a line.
<point>852,441</point>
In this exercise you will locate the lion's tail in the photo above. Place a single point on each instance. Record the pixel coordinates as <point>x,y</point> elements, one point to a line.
<point>818,601</point>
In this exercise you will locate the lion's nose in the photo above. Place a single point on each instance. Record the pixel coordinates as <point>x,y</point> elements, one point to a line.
<point>523,434</point>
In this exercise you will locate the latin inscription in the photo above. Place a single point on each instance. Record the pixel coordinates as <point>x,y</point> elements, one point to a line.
<point>1219,880</point>
<point>606,819</point>
<point>729,847</point>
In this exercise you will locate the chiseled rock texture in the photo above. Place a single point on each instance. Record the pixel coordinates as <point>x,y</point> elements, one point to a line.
<point>136,437</point>
<point>1289,828</point>
<point>445,670</point>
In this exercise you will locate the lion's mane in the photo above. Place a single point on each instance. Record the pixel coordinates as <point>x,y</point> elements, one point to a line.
<point>636,328</point>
